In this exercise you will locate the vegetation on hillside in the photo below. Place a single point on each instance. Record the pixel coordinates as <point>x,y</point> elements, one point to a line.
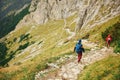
<point>114,30</point>
<point>3,52</point>
<point>49,41</point>
<point>99,32</point>
<point>8,23</point>
<point>28,40</point>
<point>107,69</point>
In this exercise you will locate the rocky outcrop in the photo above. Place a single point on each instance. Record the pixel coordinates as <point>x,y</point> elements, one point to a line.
<point>47,9</point>
<point>97,12</point>
<point>90,12</point>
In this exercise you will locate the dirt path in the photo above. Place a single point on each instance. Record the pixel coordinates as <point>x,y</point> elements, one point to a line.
<point>71,69</point>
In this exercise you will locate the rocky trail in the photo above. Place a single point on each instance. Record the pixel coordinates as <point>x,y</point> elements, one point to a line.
<point>70,69</point>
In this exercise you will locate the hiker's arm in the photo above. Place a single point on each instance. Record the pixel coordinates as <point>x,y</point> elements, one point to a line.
<point>83,49</point>
<point>74,49</point>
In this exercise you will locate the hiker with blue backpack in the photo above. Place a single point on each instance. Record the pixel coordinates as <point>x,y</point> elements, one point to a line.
<point>79,49</point>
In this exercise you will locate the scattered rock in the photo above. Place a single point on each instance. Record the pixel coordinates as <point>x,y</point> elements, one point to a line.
<point>71,69</point>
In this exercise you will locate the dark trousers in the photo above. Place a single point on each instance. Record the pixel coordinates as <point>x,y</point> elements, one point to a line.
<point>108,43</point>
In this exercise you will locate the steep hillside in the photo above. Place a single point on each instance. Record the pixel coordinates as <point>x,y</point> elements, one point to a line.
<point>90,12</point>
<point>46,30</point>
<point>11,12</point>
<point>34,46</point>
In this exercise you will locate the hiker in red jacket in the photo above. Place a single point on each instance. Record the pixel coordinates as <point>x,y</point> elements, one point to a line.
<point>108,40</point>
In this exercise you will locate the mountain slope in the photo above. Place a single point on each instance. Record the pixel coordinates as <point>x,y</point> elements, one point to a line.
<point>70,69</point>
<point>50,31</point>
<point>11,12</point>
<point>107,69</point>
<point>90,12</point>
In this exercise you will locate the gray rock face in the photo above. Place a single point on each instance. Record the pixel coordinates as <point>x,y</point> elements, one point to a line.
<point>90,12</point>
<point>47,9</point>
<point>96,12</point>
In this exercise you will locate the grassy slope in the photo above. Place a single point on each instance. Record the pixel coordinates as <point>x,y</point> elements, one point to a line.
<point>96,34</point>
<point>107,69</point>
<point>49,35</point>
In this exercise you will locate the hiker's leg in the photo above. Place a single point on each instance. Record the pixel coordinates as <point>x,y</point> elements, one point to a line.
<point>79,56</point>
<point>107,44</point>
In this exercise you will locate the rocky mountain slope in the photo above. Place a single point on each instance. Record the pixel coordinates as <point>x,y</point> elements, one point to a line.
<point>90,12</point>
<point>39,32</point>
<point>71,69</point>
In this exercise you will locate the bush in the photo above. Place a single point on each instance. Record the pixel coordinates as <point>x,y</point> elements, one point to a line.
<point>14,40</point>
<point>3,50</point>
<point>24,37</point>
<point>23,46</point>
<point>117,48</point>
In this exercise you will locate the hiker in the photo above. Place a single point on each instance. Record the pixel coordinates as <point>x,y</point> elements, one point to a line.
<point>79,49</point>
<point>108,40</point>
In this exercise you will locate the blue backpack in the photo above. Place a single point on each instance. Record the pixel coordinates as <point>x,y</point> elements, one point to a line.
<point>78,48</point>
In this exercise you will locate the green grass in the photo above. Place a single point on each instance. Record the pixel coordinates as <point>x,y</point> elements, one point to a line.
<point>107,69</point>
<point>48,36</point>
<point>114,30</point>
<point>28,72</point>
<point>3,53</point>
<point>96,34</point>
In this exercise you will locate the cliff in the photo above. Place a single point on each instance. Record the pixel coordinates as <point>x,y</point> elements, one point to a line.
<point>90,12</point>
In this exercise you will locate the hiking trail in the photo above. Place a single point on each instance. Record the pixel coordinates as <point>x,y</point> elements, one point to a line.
<point>70,69</point>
